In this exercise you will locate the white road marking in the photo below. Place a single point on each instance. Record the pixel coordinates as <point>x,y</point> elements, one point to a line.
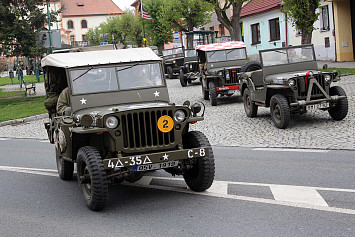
<point>285,195</point>
<point>297,194</point>
<point>290,150</point>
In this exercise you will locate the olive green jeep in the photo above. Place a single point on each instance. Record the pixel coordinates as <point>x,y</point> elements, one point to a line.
<point>120,122</point>
<point>220,64</point>
<point>290,83</point>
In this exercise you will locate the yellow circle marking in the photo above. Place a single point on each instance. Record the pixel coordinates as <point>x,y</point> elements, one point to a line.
<point>165,123</point>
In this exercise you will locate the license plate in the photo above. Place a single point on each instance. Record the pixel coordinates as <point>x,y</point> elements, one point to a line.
<point>155,166</point>
<point>318,106</point>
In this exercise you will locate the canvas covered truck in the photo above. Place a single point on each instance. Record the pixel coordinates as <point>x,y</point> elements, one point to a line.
<point>121,123</point>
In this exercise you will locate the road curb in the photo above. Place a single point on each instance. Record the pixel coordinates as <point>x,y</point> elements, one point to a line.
<point>23,120</point>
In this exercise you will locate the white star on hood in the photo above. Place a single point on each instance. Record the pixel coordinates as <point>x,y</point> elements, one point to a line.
<point>83,101</point>
<point>156,93</point>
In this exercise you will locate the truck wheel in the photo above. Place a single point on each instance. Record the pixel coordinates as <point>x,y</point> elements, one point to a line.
<point>280,111</point>
<point>92,178</point>
<point>213,93</point>
<point>251,66</point>
<point>170,72</point>
<point>250,108</point>
<point>340,109</point>
<point>65,168</point>
<point>201,175</point>
<point>205,93</point>
<point>183,80</point>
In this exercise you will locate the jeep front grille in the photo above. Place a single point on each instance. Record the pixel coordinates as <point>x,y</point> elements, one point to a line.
<point>140,130</point>
<point>315,90</point>
<point>233,78</point>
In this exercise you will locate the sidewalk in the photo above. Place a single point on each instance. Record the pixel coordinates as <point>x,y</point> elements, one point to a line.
<point>332,64</point>
<point>16,87</point>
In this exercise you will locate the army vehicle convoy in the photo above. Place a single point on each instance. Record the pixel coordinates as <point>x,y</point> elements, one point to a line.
<point>290,83</point>
<point>120,122</point>
<point>190,71</point>
<point>220,64</point>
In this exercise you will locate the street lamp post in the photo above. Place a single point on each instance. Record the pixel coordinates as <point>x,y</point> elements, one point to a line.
<point>49,27</point>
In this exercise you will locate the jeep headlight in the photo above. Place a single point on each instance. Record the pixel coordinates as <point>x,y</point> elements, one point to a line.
<point>291,82</point>
<point>179,116</point>
<point>111,122</point>
<point>327,77</point>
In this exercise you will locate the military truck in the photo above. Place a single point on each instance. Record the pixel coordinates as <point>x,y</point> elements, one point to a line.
<point>190,71</point>
<point>173,59</point>
<point>290,83</point>
<point>220,64</point>
<point>121,123</point>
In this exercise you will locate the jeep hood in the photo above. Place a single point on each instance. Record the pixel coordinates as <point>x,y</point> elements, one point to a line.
<point>289,75</point>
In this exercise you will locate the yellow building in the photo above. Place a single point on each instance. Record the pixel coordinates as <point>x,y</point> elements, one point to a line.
<point>344,29</point>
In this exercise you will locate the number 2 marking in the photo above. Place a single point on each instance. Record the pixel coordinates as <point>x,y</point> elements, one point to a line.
<point>165,123</point>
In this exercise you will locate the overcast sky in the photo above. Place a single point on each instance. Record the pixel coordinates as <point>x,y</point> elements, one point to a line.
<point>123,4</point>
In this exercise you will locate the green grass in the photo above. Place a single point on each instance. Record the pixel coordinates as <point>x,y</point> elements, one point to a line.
<point>15,105</point>
<point>7,81</point>
<point>341,70</point>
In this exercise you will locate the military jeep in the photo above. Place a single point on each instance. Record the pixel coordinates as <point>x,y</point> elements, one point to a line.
<point>173,60</point>
<point>190,71</point>
<point>120,122</point>
<point>220,64</point>
<point>290,83</point>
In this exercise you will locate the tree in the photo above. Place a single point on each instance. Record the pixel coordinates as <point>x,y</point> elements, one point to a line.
<point>157,34</point>
<point>184,15</point>
<point>20,24</point>
<point>230,22</point>
<point>302,14</point>
<point>126,29</point>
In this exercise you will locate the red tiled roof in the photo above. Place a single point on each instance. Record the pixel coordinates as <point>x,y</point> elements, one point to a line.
<point>90,7</point>
<point>258,6</point>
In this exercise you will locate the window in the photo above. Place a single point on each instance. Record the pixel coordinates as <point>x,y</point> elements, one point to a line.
<point>255,33</point>
<point>324,17</point>
<point>274,27</point>
<point>83,37</point>
<point>72,39</point>
<point>221,30</point>
<point>84,24</point>
<point>70,24</point>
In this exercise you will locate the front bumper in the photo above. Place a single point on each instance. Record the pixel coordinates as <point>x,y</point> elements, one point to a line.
<point>152,158</point>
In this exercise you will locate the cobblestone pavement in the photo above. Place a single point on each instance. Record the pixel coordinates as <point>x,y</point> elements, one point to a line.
<point>227,125</point>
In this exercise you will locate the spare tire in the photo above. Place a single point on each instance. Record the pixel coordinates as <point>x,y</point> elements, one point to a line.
<point>251,66</point>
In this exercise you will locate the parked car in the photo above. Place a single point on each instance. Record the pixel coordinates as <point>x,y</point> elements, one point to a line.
<point>220,64</point>
<point>120,122</point>
<point>290,83</point>
<point>173,60</point>
<point>190,71</point>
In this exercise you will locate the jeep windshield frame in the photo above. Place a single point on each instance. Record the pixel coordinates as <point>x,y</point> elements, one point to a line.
<point>226,55</point>
<point>102,79</point>
<point>289,55</point>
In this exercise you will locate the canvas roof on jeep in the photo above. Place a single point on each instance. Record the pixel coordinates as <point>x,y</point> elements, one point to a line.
<point>93,58</point>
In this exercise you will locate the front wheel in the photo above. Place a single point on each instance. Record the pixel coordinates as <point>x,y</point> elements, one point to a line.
<point>339,110</point>
<point>251,109</point>
<point>170,72</point>
<point>280,111</point>
<point>92,178</point>
<point>213,93</point>
<point>183,80</point>
<point>65,168</point>
<point>201,175</point>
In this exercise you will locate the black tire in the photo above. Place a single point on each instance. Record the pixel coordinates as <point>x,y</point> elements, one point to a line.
<point>92,178</point>
<point>339,110</point>
<point>170,72</point>
<point>280,111</point>
<point>65,168</point>
<point>213,93</point>
<point>183,80</point>
<point>200,177</point>
<point>251,66</point>
<point>251,109</point>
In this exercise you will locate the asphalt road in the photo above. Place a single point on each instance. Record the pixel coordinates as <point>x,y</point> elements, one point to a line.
<point>257,192</point>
